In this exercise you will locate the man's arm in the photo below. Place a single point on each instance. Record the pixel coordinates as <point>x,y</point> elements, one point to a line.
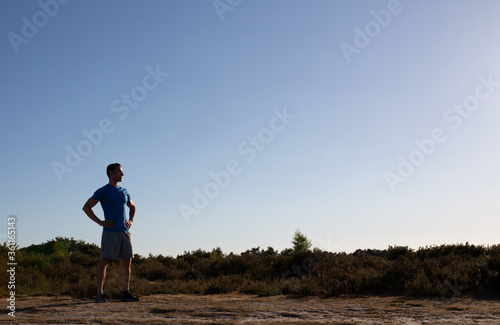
<point>131,214</point>
<point>87,208</point>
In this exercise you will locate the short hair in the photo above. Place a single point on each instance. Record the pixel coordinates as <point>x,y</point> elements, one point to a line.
<point>111,168</point>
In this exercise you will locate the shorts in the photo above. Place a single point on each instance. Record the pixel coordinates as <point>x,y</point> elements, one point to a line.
<point>116,245</point>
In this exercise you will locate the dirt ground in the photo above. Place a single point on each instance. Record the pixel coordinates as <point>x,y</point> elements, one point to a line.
<point>248,309</point>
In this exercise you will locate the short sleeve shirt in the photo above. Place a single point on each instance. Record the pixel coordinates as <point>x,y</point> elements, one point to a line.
<point>113,202</point>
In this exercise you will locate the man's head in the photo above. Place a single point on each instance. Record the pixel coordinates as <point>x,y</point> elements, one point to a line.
<point>115,172</point>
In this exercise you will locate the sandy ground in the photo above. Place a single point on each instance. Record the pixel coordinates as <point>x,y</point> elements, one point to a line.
<point>248,309</point>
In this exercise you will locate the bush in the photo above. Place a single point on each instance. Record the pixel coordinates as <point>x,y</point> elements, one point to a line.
<point>68,266</point>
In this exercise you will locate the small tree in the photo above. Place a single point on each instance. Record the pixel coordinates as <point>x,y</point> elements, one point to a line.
<point>300,242</point>
<point>216,255</point>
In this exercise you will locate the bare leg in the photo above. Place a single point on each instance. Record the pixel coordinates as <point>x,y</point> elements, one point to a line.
<point>101,274</point>
<point>125,273</point>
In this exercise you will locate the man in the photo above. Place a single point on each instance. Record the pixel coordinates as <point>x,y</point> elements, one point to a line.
<point>116,241</point>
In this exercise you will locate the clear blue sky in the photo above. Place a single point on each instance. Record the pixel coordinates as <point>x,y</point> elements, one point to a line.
<point>364,124</point>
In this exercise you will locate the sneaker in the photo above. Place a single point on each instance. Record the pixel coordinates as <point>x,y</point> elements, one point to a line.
<point>128,296</point>
<point>100,298</point>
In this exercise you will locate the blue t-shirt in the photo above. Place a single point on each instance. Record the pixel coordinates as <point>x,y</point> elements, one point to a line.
<point>113,201</point>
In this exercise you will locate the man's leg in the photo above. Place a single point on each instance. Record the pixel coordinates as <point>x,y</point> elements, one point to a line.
<point>101,274</point>
<point>126,270</point>
<point>125,273</point>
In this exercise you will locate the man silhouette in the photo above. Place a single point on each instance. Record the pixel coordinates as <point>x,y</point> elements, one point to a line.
<point>116,240</point>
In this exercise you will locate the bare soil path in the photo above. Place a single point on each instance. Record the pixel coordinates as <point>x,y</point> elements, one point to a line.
<point>248,309</point>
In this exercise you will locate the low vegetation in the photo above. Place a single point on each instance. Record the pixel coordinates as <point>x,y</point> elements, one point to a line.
<point>68,266</point>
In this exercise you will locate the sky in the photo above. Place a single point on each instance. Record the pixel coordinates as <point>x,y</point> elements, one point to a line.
<point>364,124</point>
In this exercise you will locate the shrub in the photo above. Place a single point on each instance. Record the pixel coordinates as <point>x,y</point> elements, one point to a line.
<point>68,266</point>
